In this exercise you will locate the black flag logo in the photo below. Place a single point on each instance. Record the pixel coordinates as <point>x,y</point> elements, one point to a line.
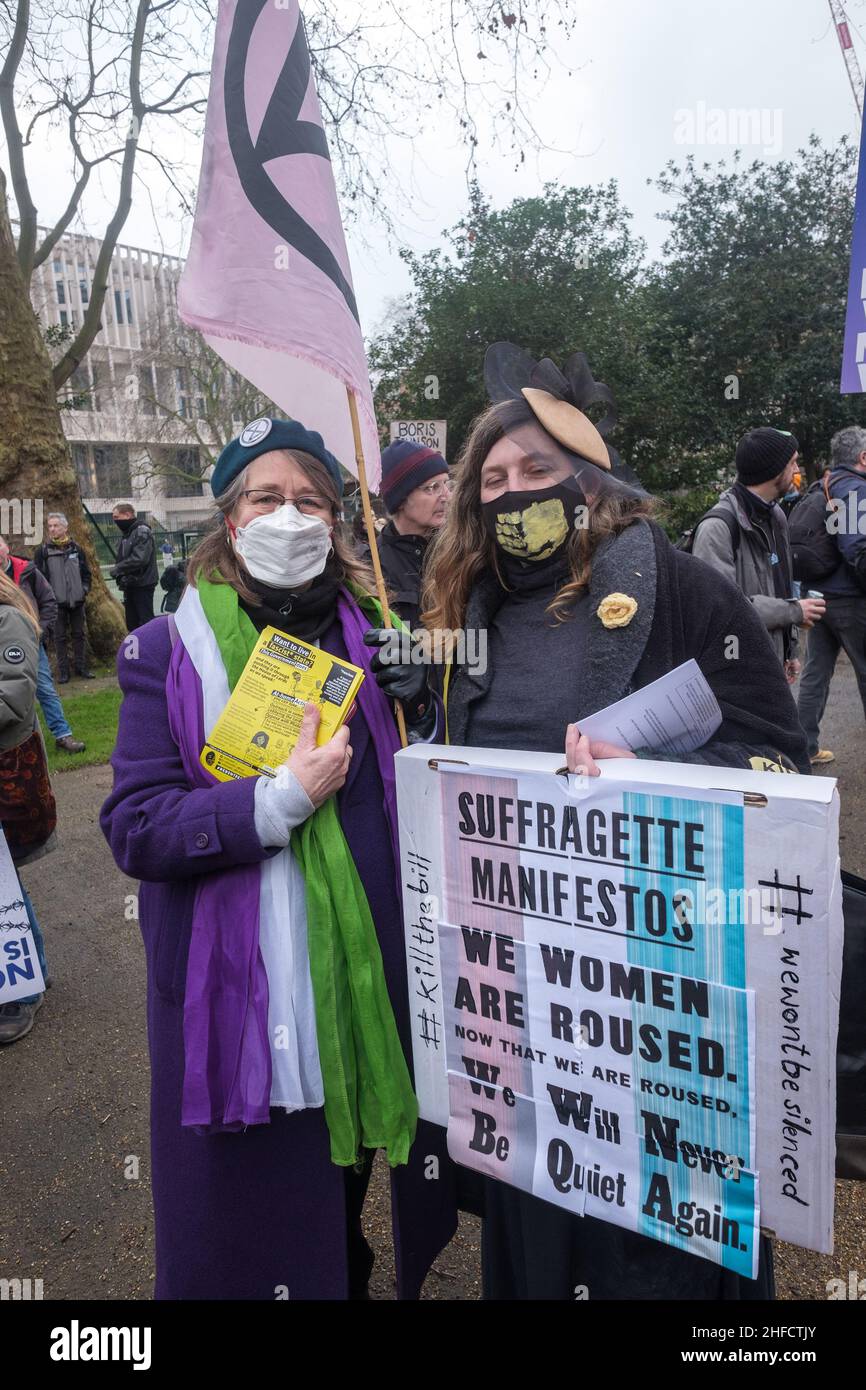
<point>282,133</point>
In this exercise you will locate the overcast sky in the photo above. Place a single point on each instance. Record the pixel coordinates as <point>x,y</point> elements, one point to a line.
<point>649,75</point>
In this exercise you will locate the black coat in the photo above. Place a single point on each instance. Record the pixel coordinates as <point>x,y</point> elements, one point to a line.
<point>685,609</point>
<point>402,560</point>
<point>135,567</point>
<point>532,1249</point>
<point>37,589</point>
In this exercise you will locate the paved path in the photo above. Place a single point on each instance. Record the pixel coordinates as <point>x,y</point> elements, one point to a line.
<point>74,1120</point>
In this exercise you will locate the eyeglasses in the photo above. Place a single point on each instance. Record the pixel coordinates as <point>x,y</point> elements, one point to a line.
<point>266,501</point>
<point>442,488</point>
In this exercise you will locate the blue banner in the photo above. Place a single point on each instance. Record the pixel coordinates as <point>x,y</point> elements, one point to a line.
<point>854,351</point>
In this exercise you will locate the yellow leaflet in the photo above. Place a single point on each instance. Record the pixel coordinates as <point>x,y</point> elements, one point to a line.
<point>259,726</point>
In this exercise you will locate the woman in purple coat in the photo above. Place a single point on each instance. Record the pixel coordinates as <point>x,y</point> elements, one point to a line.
<point>277,1001</point>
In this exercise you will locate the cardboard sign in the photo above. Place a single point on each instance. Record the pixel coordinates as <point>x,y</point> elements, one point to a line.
<point>427,434</point>
<point>625,989</point>
<point>20,971</point>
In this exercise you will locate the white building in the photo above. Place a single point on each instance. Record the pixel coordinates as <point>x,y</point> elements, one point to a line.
<point>128,400</point>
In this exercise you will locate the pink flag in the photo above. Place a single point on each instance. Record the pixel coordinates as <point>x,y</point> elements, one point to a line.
<point>268,280</point>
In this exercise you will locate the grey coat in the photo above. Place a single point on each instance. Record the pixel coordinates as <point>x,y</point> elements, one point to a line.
<point>751,571</point>
<point>19,661</point>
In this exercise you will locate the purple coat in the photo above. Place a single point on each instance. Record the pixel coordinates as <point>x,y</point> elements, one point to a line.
<point>237,1216</point>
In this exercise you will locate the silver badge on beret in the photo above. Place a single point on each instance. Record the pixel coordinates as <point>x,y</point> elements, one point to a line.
<point>255,431</point>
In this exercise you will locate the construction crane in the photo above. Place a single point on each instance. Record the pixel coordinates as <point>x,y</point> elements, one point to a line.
<point>843,34</point>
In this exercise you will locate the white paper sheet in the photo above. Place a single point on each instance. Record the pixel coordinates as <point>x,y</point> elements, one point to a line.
<point>675,714</point>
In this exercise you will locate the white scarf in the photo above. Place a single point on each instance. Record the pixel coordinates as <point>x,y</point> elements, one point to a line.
<point>296,1082</point>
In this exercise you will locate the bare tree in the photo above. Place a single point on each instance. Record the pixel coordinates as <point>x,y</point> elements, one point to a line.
<point>113,75</point>
<point>193,405</point>
<point>385,73</point>
<point>127,66</point>
<point>101,71</point>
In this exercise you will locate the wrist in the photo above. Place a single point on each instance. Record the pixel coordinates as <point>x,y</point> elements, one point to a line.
<point>281,803</point>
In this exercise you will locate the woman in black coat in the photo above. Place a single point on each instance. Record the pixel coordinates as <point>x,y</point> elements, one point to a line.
<point>582,600</point>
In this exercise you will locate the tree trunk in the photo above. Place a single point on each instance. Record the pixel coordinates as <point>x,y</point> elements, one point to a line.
<point>36,471</point>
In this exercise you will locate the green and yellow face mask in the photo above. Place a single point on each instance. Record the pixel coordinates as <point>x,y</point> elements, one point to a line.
<point>532,525</point>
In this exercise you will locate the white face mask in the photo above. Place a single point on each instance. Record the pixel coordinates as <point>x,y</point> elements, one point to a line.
<point>284,548</point>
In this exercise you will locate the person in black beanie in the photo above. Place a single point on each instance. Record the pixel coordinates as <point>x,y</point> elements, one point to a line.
<point>415,490</point>
<point>745,537</point>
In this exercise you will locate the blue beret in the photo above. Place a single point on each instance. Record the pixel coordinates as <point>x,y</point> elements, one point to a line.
<point>260,437</point>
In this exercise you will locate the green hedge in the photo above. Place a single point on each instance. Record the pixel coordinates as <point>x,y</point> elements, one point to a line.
<point>678,511</point>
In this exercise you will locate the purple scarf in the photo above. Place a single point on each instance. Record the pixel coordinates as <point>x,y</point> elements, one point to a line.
<point>227,1059</point>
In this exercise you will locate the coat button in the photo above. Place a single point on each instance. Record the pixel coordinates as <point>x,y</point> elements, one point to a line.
<point>202,841</point>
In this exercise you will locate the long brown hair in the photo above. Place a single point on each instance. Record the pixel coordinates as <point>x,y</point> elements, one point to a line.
<point>215,556</point>
<point>12,595</point>
<point>462,548</point>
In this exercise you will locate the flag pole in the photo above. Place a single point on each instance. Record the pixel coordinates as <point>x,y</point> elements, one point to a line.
<point>371,537</point>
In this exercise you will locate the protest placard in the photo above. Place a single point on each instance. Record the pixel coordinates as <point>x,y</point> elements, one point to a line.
<point>20,972</point>
<point>427,434</point>
<point>625,988</point>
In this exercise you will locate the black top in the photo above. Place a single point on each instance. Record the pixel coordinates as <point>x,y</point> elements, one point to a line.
<point>536,660</point>
<point>684,609</point>
<point>402,560</point>
<point>304,613</point>
<point>135,567</point>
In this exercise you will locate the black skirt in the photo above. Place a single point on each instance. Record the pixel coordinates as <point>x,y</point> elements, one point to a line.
<point>531,1249</point>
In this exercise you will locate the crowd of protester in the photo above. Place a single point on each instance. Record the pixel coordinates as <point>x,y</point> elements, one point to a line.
<point>45,597</point>
<point>261,1155</point>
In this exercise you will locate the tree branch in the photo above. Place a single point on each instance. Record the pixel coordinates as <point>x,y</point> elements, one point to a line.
<point>12,131</point>
<point>74,355</point>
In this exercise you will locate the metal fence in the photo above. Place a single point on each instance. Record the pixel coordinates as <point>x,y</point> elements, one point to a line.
<point>171,546</point>
<point>182,543</point>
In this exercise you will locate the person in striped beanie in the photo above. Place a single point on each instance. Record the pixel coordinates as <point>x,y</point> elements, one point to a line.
<point>415,489</point>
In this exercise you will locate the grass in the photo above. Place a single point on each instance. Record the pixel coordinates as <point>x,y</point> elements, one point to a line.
<point>93,715</point>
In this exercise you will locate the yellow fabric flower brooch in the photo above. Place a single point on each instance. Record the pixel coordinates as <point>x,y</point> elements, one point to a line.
<point>617,610</point>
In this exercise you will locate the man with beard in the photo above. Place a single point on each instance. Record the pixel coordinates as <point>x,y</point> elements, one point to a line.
<point>745,537</point>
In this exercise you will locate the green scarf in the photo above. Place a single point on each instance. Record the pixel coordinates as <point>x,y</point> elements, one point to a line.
<point>369,1100</point>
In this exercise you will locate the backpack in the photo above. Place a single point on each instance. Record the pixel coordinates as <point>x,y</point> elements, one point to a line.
<point>814,552</point>
<point>173,580</point>
<point>687,539</point>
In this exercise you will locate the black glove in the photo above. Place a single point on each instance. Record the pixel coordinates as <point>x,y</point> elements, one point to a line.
<point>401,679</point>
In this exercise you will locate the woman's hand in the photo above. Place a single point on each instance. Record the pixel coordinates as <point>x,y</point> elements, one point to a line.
<point>581,752</point>
<point>401,677</point>
<point>320,771</point>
